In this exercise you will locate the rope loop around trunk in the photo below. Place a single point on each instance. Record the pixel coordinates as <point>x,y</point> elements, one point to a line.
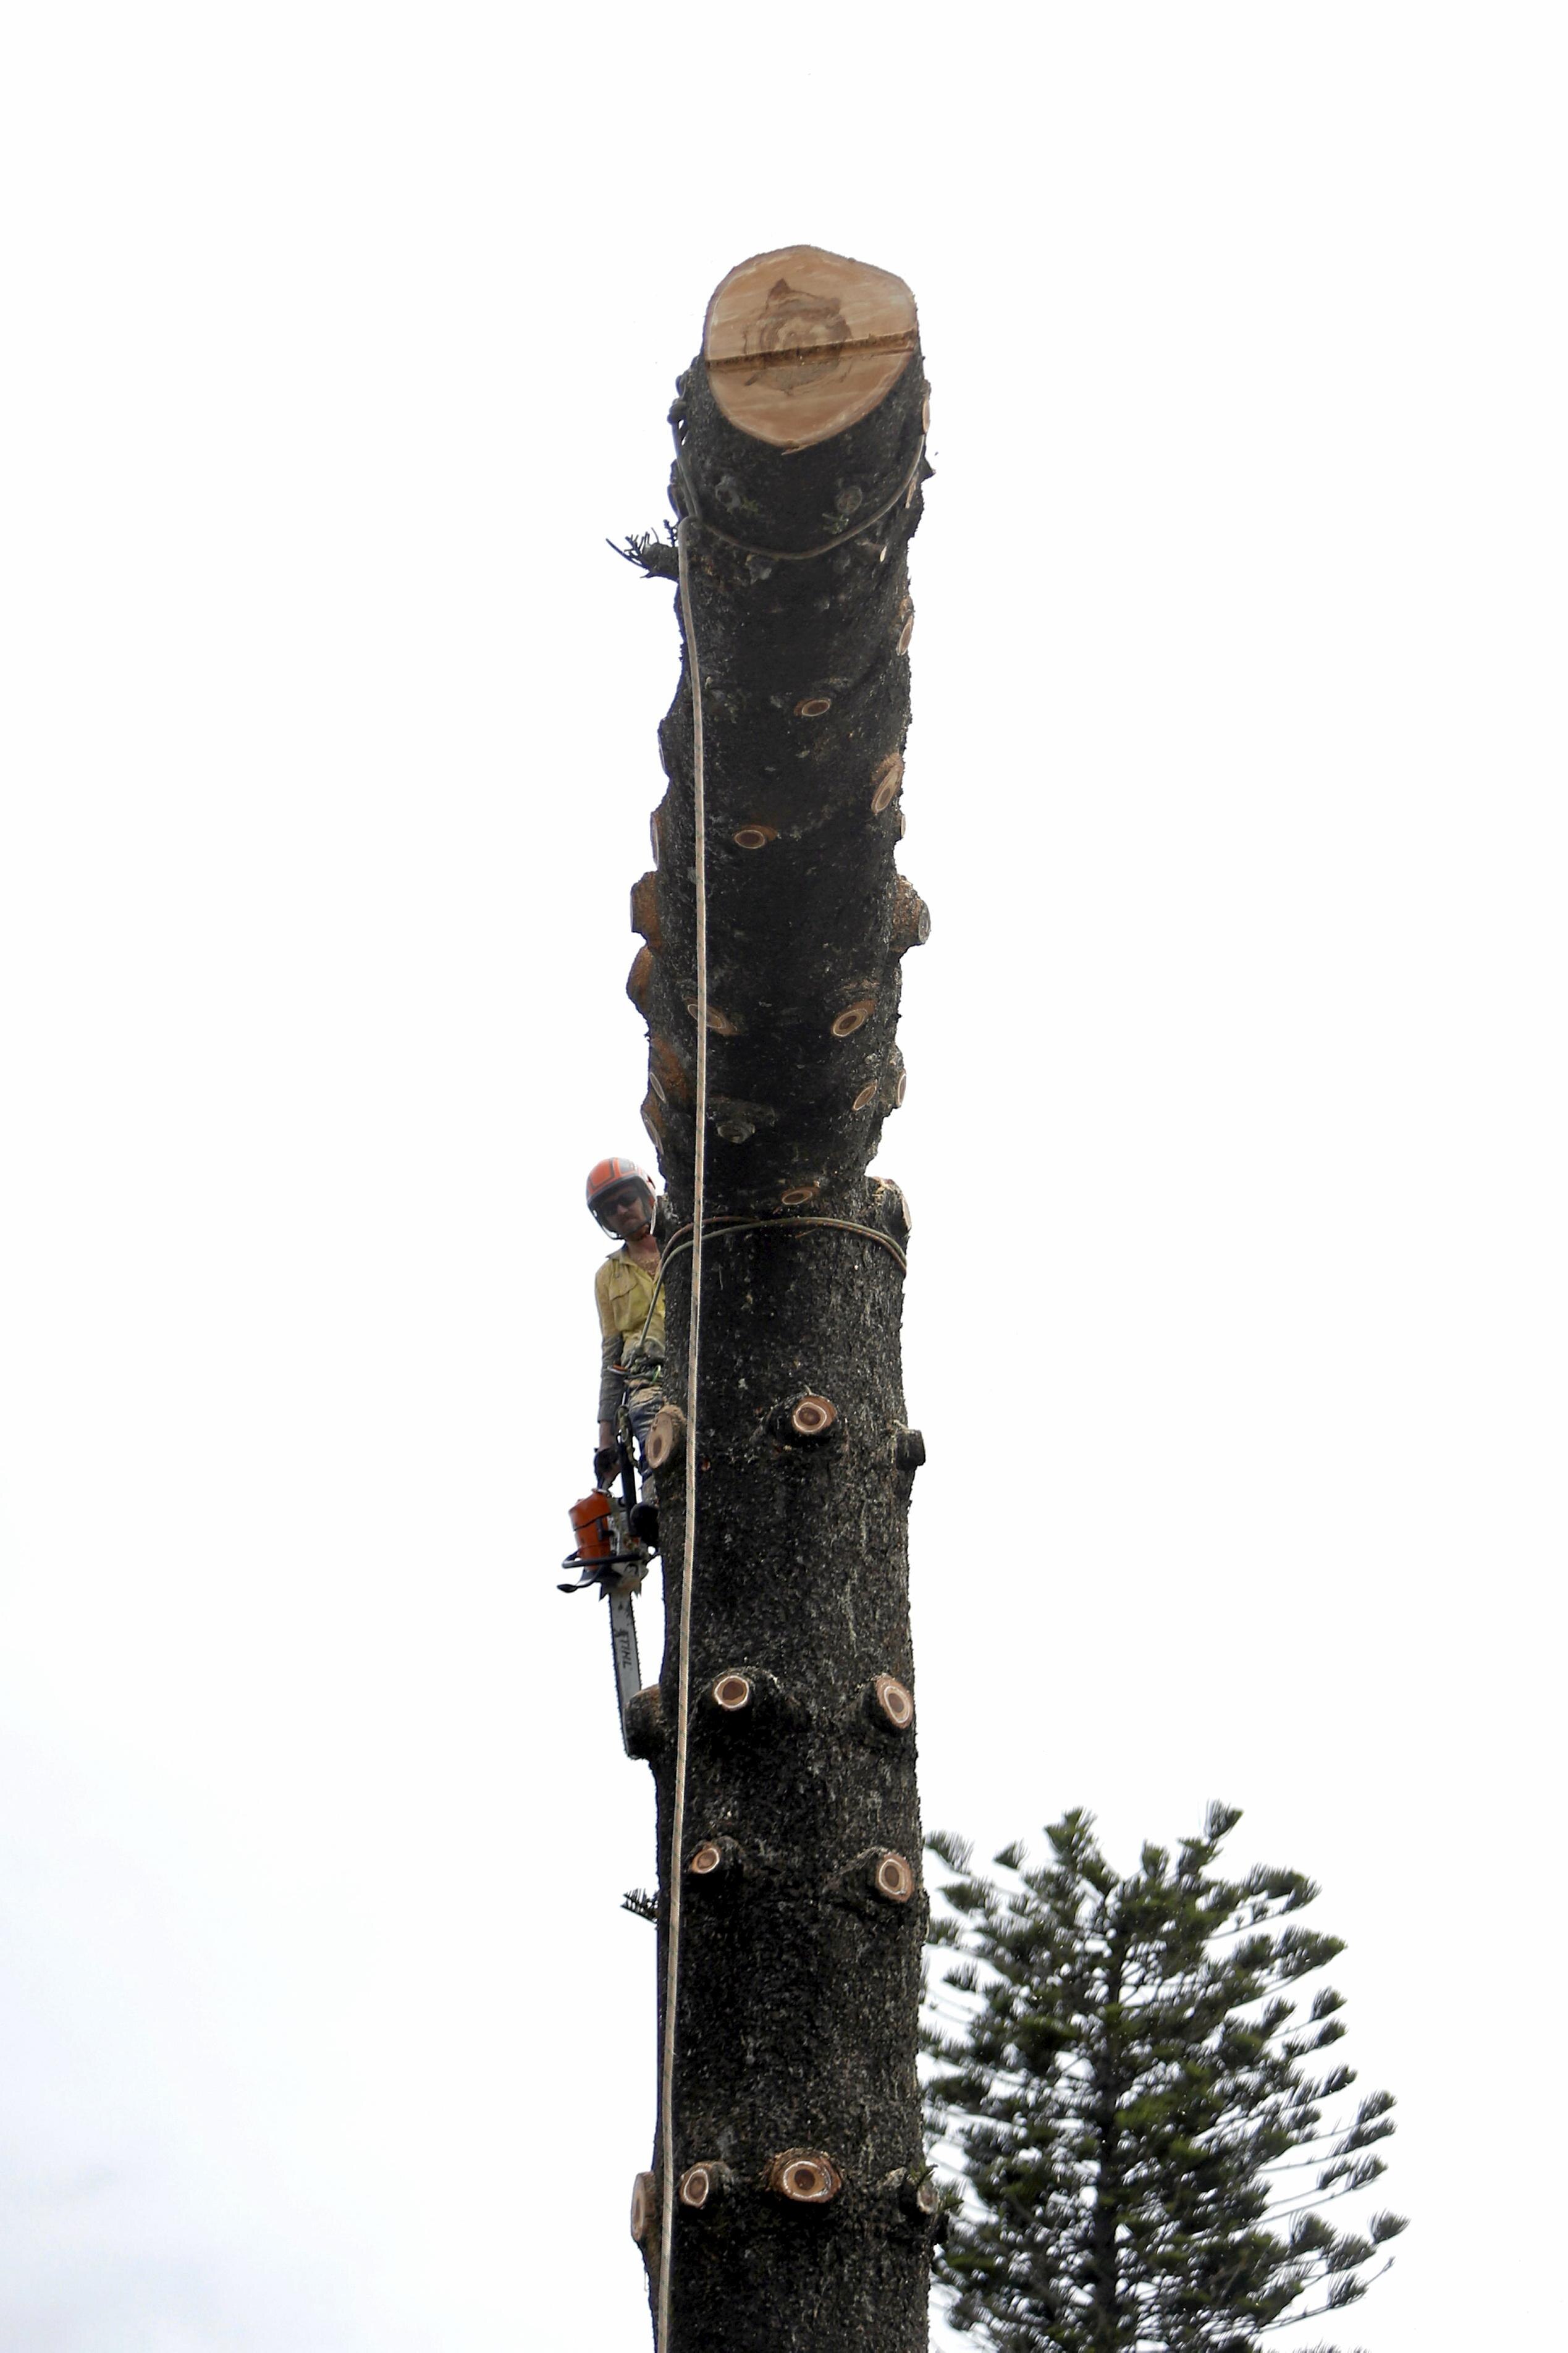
<point>682,1238</point>
<point>784,555</point>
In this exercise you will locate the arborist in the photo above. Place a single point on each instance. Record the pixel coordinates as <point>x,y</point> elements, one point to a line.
<point>629,1296</point>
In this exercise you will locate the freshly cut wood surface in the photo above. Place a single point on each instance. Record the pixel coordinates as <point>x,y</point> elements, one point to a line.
<point>644,2205</point>
<point>666,1437</point>
<point>800,344</point>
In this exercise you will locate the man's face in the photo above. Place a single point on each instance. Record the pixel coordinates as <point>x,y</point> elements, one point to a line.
<point>625,1212</point>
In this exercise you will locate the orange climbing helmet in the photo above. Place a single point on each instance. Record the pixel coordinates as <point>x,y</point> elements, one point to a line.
<point>608,1176</point>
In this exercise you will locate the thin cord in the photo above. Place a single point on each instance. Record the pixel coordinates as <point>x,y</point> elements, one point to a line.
<point>681,1240</point>
<point>683,1639</point>
<point>785,554</point>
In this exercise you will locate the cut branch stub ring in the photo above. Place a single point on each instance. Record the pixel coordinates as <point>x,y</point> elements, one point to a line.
<point>805,2175</point>
<point>885,782</point>
<point>644,2205</point>
<point>666,1437</point>
<point>813,1417</point>
<point>698,2184</point>
<point>893,1879</point>
<point>894,1701</point>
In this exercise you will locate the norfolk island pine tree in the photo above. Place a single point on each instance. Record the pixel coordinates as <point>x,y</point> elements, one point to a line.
<point>1145,2127</point>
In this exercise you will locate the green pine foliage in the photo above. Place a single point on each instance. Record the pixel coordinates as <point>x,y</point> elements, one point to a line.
<point>1148,2128</point>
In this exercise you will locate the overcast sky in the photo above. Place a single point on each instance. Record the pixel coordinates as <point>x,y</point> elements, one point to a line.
<point>339,340</point>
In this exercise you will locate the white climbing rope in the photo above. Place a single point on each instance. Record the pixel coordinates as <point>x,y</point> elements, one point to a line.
<point>684,1634</point>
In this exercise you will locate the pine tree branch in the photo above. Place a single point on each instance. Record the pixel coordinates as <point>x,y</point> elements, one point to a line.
<point>1317,2311</point>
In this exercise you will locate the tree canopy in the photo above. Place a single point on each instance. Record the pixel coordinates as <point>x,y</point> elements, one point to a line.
<point>1146,2125</point>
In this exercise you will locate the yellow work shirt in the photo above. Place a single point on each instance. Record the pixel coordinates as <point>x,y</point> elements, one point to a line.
<point>623,1293</point>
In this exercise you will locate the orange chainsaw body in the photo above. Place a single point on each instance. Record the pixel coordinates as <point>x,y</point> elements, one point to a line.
<point>591,1526</point>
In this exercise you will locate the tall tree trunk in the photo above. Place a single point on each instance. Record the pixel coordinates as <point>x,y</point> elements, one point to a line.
<point>802,2219</point>
<point>1105,2272</point>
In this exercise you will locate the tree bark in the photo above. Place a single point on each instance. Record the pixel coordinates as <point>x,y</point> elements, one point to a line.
<point>801,435</point>
<point>1105,2298</point>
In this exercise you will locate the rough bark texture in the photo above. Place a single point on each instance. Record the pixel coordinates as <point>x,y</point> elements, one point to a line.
<point>795,2090</point>
<point>806,927</point>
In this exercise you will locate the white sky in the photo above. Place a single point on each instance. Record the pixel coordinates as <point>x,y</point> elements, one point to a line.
<point>341,339</point>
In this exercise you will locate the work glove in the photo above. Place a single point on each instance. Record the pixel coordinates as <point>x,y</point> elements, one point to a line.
<point>607,1461</point>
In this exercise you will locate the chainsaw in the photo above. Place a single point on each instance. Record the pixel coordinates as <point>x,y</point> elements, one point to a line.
<point>610,1556</point>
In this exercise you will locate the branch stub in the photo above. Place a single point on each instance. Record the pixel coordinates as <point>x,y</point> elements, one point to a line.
<point>892,1877</point>
<point>886,781</point>
<point>813,1417</point>
<point>644,2205</point>
<point>718,1020</point>
<point>645,908</point>
<point>643,1725</point>
<point>702,2184</point>
<point>908,1450</point>
<point>805,2176</point>
<point>895,1201</point>
<point>666,1438</point>
<point>894,1701</point>
<point>912,919</point>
